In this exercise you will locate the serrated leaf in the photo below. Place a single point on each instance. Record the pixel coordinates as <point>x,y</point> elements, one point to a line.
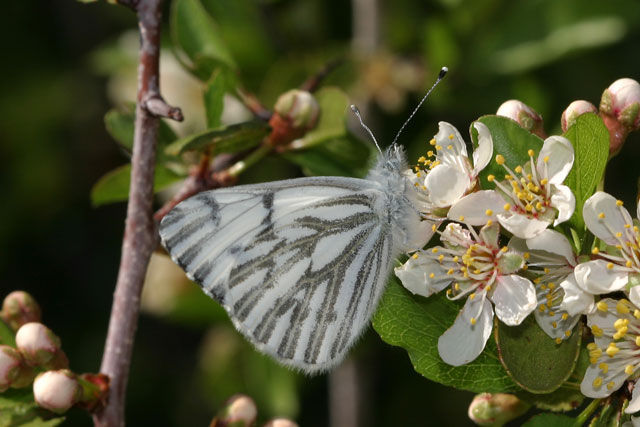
<point>7,335</point>
<point>196,33</point>
<point>114,185</point>
<point>590,139</point>
<point>553,363</point>
<point>510,140</point>
<point>550,420</point>
<point>415,323</point>
<point>120,125</point>
<point>17,408</point>
<point>228,139</point>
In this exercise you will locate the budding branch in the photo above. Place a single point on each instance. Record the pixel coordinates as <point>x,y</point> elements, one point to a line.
<point>140,237</point>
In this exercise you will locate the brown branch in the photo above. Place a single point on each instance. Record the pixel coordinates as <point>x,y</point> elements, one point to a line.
<point>313,82</point>
<point>140,231</point>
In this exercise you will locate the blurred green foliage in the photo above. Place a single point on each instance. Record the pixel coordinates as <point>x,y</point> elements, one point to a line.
<point>67,64</point>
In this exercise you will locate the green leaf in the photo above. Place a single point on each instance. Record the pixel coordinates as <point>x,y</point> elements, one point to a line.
<point>229,139</point>
<point>590,139</point>
<point>336,157</point>
<point>214,98</point>
<point>553,363</point>
<point>120,125</point>
<point>7,335</point>
<point>550,420</point>
<point>510,140</point>
<point>333,104</point>
<point>114,185</point>
<point>196,33</point>
<point>415,323</point>
<point>17,408</point>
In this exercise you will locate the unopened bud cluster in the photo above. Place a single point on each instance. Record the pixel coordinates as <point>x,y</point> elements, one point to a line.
<point>34,355</point>
<point>241,411</point>
<point>619,109</point>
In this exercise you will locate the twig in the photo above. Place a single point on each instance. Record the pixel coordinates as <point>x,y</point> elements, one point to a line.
<point>312,83</point>
<point>140,233</point>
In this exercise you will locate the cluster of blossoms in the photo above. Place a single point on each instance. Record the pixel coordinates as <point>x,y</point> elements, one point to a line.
<point>537,270</point>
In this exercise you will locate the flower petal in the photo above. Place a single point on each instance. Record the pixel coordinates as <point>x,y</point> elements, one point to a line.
<point>564,201</point>
<point>555,325</point>
<point>521,225</point>
<point>446,184</point>
<point>590,388</point>
<point>576,300</point>
<point>463,341</point>
<point>558,152</point>
<point>474,207</point>
<point>449,135</point>
<point>634,295</point>
<point>634,403</point>
<point>604,218</point>
<point>597,278</point>
<point>419,232</point>
<point>484,151</point>
<point>602,321</point>
<point>414,275</point>
<point>553,242</point>
<point>514,297</point>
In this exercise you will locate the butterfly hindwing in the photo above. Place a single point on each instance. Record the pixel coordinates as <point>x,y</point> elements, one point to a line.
<point>299,264</point>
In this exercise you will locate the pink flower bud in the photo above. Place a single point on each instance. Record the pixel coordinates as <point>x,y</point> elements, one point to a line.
<point>526,116</point>
<point>489,409</point>
<point>19,308</point>
<point>56,391</point>
<point>37,344</point>
<point>575,109</point>
<point>10,366</point>
<point>280,422</point>
<point>620,110</point>
<point>239,410</point>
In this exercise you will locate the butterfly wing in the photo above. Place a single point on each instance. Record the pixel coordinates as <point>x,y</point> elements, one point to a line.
<point>299,265</point>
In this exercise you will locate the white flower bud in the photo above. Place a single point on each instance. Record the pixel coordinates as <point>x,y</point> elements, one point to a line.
<point>280,422</point>
<point>575,109</point>
<point>526,116</point>
<point>495,410</point>
<point>10,366</point>
<point>56,391</point>
<point>19,308</point>
<point>295,112</point>
<point>239,410</point>
<point>37,343</point>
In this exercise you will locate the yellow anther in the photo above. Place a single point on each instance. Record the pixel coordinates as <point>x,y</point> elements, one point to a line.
<point>500,159</point>
<point>415,256</point>
<point>518,169</point>
<point>554,324</point>
<point>537,280</point>
<point>601,215</point>
<point>440,257</point>
<point>610,385</point>
<point>636,314</point>
<point>472,295</point>
<point>604,367</point>
<point>602,306</point>
<point>567,333</point>
<point>619,203</point>
<point>528,208</point>
<point>530,153</point>
<point>627,226</point>
<point>450,271</point>
<point>448,292</point>
<point>433,141</point>
<point>558,340</point>
<point>539,206</point>
<point>504,249</point>
<point>506,206</point>
<point>628,369</point>
<point>544,181</point>
<point>488,288</point>
<point>546,270</point>
<point>422,159</point>
<point>434,250</point>
<point>489,222</point>
<point>456,286</point>
<point>449,147</point>
<point>595,251</point>
<point>542,307</point>
<point>552,313</point>
<point>565,316</point>
<point>430,153</point>
<point>621,333</point>
<point>597,382</point>
<point>591,346</point>
<point>438,147</point>
<point>622,307</point>
<point>551,285</point>
<point>490,178</point>
<point>596,331</point>
<point>418,174</point>
<point>488,212</point>
<point>450,136</point>
<point>473,321</point>
<point>461,218</point>
<point>612,350</point>
<point>619,234</point>
<point>433,227</point>
<point>456,258</point>
<point>526,255</point>
<point>609,266</point>
<point>545,159</point>
<point>620,323</point>
<point>431,276</point>
<point>638,340</point>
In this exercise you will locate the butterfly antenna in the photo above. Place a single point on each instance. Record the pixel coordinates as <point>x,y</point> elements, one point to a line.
<point>443,72</point>
<point>357,113</point>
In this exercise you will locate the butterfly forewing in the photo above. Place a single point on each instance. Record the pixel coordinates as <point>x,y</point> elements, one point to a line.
<point>299,265</point>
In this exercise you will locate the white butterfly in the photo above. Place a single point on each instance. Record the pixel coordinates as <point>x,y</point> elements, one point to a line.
<point>299,264</point>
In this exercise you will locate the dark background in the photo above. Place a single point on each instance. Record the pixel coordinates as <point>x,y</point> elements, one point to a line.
<point>60,58</point>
